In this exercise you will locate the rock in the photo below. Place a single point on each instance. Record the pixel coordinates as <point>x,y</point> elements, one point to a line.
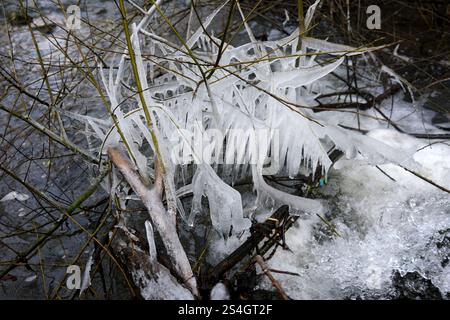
<point>414,286</point>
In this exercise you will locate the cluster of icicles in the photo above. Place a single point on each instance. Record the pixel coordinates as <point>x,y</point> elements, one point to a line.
<point>258,87</point>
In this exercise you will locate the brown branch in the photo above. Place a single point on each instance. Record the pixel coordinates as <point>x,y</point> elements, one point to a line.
<point>358,105</point>
<point>430,136</point>
<point>427,180</point>
<point>272,279</point>
<point>259,232</point>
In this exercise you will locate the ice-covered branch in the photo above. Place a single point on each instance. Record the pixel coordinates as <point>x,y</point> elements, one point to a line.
<point>162,220</point>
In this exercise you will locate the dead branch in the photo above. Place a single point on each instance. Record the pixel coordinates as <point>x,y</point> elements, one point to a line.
<point>163,221</point>
<point>373,101</point>
<point>153,279</point>
<point>429,136</point>
<point>259,232</point>
<point>275,283</point>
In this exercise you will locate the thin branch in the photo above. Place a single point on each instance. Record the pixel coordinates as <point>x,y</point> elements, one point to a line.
<point>275,283</point>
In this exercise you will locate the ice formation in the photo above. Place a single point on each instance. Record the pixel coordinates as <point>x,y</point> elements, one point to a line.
<point>385,226</point>
<point>274,92</point>
<point>14,195</point>
<point>220,292</point>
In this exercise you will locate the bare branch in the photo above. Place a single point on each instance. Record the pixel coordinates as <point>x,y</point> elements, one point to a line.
<point>164,224</point>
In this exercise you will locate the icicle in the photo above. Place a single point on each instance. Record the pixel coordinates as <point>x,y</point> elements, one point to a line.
<point>310,13</point>
<point>86,282</point>
<point>192,40</point>
<point>225,203</point>
<point>296,202</point>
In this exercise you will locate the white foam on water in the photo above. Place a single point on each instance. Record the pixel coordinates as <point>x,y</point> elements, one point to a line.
<point>384,226</point>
